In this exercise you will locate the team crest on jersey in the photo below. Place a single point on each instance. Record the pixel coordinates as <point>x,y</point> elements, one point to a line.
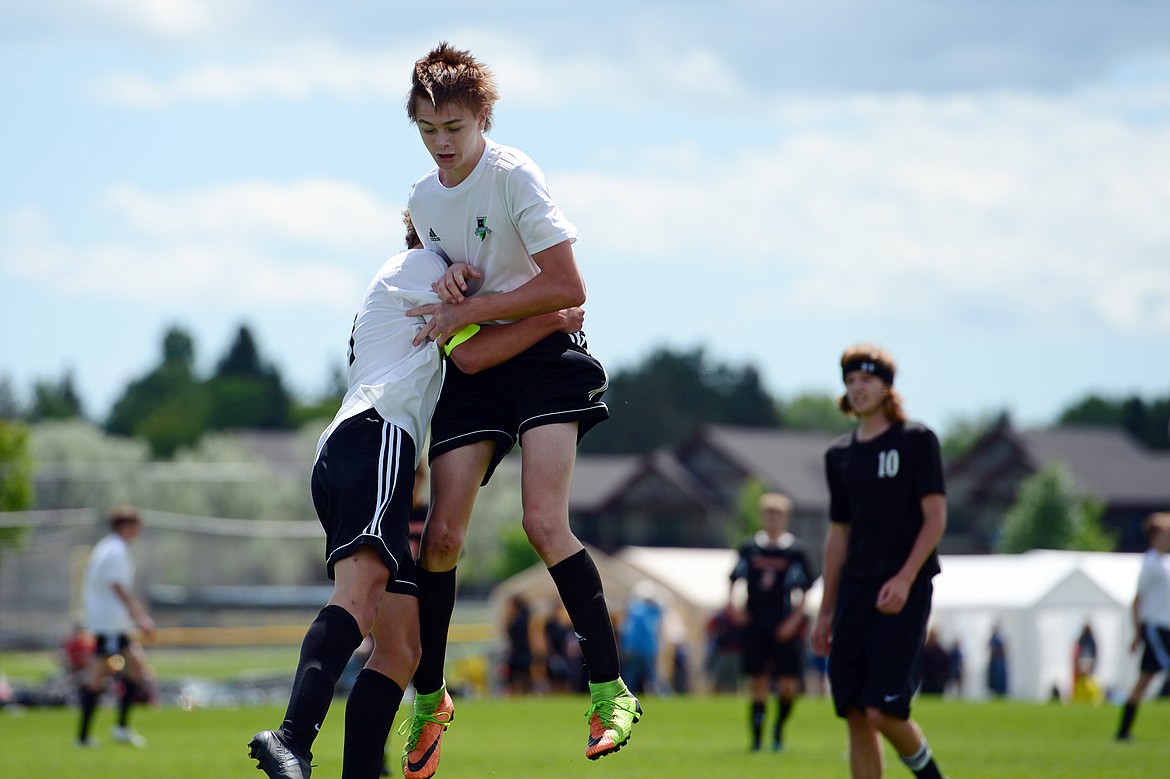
<point>481,228</point>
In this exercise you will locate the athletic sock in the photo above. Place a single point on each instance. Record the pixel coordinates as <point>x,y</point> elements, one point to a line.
<point>329,643</point>
<point>369,715</point>
<point>783,710</point>
<point>89,700</point>
<point>579,585</point>
<point>757,720</point>
<point>922,763</point>
<point>129,690</point>
<point>436,601</point>
<point>1128,713</point>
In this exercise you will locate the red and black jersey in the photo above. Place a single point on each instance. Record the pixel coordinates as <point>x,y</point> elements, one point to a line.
<point>771,571</point>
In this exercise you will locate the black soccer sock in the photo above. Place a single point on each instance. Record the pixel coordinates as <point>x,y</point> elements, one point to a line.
<point>1128,713</point>
<point>329,643</point>
<point>369,715</point>
<point>89,700</point>
<point>922,763</point>
<point>436,601</point>
<point>579,585</point>
<point>784,709</point>
<point>129,689</point>
<point>757,720</point>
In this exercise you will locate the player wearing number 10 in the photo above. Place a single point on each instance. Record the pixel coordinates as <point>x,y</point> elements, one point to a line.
<point>887,512</point>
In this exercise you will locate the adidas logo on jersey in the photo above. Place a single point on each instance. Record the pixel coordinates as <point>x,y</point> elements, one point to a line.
<point>433,236</point>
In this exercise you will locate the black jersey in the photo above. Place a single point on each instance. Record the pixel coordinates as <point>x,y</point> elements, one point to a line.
<point>771,571</point>
<point>876,487</point>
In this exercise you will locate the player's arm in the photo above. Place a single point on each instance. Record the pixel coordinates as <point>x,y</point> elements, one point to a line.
<point>494,344</point>
<point>137,612</point>
<point>836,547</point>
<point>559,285</point>
<point>892,596</point>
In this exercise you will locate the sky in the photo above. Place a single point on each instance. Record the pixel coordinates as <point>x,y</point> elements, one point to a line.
<point>981,186</point>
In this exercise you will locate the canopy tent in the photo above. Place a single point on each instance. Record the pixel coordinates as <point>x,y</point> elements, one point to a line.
<point>1040,599</point>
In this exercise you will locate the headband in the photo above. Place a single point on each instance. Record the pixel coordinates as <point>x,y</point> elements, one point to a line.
<point>879,369</point>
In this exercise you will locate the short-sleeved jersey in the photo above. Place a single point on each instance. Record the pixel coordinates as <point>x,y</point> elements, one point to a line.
<point>110,563</point>
<point>495,219</point>
<point>1154,589</point>
<point>772,570</point>
<point>386,370</point>
<point>876,487</point>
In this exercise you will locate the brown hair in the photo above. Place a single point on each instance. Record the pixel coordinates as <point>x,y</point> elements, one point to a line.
<point>450,75</point>
<point>122,515</point>
<point>774,501</point>
<point>412,239</point>
<point>1159,520</point>
<point>870,352</point>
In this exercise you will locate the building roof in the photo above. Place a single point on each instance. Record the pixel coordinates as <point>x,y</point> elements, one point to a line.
<point>1104,461</point>
<point>789,461</point>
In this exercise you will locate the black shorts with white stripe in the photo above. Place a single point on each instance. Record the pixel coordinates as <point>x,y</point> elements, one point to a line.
<point>363,490</point>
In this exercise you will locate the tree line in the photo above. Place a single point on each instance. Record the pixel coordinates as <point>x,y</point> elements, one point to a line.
<point>660,401</point>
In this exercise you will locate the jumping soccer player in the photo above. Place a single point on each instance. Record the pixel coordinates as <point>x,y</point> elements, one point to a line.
<point>487,209</point>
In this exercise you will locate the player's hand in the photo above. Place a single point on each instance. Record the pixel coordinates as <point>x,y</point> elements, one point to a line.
<point>443,321</point>
<point>146,624</point>
<point>572,319</point>
<point>457,281</point>
<point>788,628</point>
<point>822,635</point>
<point>892,596</point>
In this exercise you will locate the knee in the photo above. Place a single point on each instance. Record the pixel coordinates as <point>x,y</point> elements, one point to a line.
<point>441,546</point>
<point>543,534</point>
<point>396,658</point>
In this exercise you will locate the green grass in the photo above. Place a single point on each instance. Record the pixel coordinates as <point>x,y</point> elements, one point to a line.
<point>679,738</point>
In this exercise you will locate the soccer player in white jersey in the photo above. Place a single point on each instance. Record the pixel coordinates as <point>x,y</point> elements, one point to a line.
<point>486,208</point>
<point>112,614</point>
<point>363,485</point>
<point>1151,616</point>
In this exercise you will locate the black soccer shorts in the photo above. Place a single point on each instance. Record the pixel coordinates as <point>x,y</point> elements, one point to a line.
<point>363,490</point>
<point>554,381</point>
<point>874,659</point>
<point>763,654</point>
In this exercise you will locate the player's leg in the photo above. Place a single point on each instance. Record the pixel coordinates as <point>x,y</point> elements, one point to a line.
<point>758,689</point>
<point>789,663</point>
<point>907,739</point>
<point>377,692</point>
<point>865,746</point>
<point>134,684</point>
<point>93,681</point>
<point>455,480</point>
<point>549,452</point>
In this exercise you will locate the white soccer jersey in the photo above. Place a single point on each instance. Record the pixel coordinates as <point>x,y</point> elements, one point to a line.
<point>110,563</point>
<point>495,219</point>
<point>387,371</point>
<point>1154,589</point>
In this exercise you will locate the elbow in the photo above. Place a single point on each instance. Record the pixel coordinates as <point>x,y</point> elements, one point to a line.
<point>467,362</point>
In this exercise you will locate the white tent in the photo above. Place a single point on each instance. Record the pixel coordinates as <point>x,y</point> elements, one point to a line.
<point>1041,600</point>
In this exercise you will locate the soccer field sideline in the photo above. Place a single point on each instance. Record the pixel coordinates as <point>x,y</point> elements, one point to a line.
<point>679,738</point>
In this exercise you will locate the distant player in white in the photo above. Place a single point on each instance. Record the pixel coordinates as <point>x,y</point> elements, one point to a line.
<point>487,209</point>
<point>112,615</point>
<point>363,485</point>
<point>1151,616</point>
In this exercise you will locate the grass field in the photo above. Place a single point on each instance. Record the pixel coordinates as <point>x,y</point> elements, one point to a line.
<point>679,738</point>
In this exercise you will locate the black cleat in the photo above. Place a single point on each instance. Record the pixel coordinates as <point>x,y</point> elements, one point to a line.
<point>276,758</point>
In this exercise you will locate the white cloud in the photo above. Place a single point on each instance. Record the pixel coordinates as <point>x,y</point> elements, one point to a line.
<point>327,213</point>
<point>1020,207</point>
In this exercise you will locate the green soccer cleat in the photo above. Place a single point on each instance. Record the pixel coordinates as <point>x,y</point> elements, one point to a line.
<point>612,715</point>
<point>432,714</point>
